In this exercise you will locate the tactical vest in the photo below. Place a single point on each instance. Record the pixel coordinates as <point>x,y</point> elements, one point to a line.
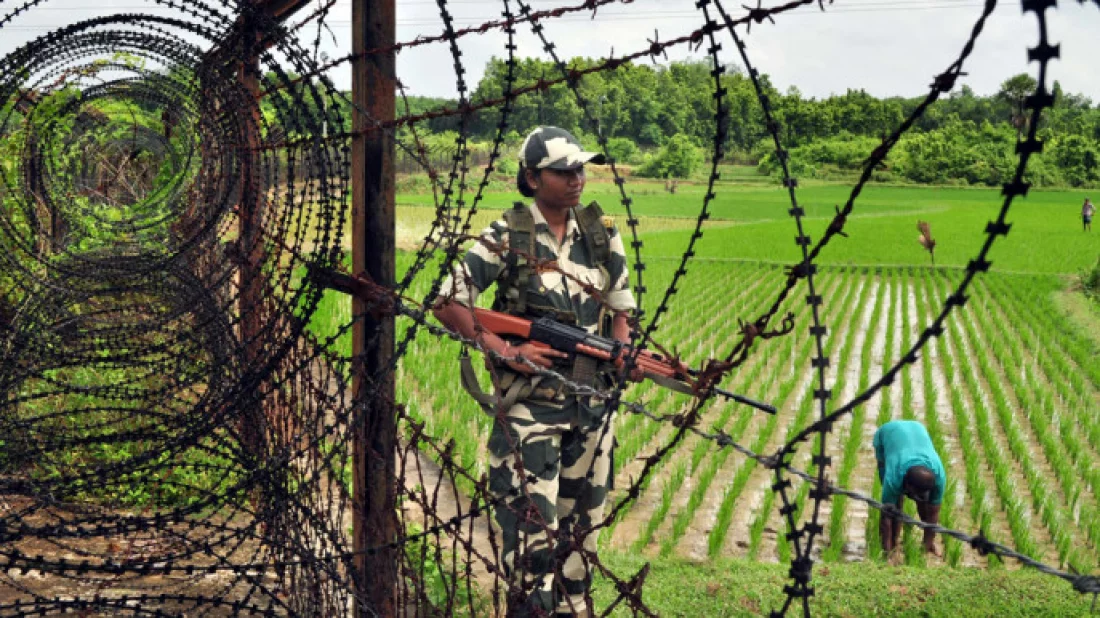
<point>512,292</point>
<point>512,297</point>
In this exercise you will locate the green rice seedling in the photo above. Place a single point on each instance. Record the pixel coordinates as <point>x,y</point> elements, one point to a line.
<point>1001,466</point>
<point>1014,435</point>
<point>907,410</point>
<point>874,541</point>
<point>976,486</point>
<point>708,317</point>
<point>852,444</point>
<point>716,539</point>
<point>675,480</point>
<point>952,547</point>
<point>702,484</point>
<point>710,467</point>
<point>911,548</point>
<point>637,434</point>
<point>801,419</point>
<point>1052,389</point>
<point>843,360</point>
<point>741,477</point>
<point>704,479</point>
<point>711,314</point>
<point>1044,500</point>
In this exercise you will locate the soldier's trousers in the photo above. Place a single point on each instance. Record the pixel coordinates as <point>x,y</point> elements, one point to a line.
<point>564,451</point>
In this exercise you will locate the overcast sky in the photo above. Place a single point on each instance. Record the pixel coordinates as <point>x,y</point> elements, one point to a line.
<point>886,47</point>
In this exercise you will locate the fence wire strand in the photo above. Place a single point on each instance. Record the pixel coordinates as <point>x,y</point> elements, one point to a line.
<point>178,439</point>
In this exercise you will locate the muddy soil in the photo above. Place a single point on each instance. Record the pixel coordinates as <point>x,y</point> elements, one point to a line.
<point>20,585</point>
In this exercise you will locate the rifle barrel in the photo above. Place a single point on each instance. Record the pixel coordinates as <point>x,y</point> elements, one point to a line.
<point>764,407</point>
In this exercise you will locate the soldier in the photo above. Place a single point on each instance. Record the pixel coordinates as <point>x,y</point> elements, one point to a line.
<point>559,441</point>
<point>908,466</point>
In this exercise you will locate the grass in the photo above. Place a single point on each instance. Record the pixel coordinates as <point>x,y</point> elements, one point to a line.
<point>1083,316</point>
<point>745,588</point>
<point>751,222</point>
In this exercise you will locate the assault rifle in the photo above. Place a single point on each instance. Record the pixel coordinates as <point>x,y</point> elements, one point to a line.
<point>547,333</point>
<point>542,332</point>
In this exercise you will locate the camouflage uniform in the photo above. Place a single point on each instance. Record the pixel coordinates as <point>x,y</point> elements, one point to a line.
<point>562,441</point>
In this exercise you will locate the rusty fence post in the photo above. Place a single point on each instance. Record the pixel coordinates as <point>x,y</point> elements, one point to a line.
<point>372,179</point>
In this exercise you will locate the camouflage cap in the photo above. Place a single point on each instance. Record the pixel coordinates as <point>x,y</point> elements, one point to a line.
<point>554,148</point>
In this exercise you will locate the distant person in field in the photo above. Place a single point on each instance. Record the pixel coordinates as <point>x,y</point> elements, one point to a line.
<point>1087,211</point>
<point>908,466</point>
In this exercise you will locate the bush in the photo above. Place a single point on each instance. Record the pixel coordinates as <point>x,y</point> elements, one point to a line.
<point>1090,282</point>
<point>1078,158</point>
<point>678,158</point>
<point>798,167</point>
<point>413,183</point>
<point>507,165</point>
<point>623,150</point>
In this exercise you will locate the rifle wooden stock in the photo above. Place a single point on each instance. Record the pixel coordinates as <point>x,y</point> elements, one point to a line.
<point>505,324</point>
<point>576,340</point>
<point>571,339</point>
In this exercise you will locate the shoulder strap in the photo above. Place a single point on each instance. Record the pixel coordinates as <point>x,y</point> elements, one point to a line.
<point>590,219</point>
<point>506,394</point>
<point>512,293</point>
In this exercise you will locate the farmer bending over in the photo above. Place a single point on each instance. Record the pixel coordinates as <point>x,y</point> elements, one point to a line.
<point>908,465</point>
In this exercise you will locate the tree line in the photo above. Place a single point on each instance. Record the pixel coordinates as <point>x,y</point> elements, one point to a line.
<point>666,110</point>
<point>660,119</point>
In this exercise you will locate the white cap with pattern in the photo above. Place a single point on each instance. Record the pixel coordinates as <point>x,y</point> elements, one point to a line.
<point>554,148</point>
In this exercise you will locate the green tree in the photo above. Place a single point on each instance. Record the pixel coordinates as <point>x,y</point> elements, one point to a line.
<point>1015,91</point>
<point>1078,158</point>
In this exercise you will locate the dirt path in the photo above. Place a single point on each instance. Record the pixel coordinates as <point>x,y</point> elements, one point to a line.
<point>424,478</point>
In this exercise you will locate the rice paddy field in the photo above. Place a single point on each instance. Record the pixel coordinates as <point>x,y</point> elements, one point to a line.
<point>1009,395</point>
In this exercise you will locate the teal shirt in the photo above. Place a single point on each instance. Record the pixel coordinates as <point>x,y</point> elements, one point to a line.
<point>900,445</point>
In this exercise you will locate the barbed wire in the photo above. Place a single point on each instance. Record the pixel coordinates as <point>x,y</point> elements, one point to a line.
<point>178,439</point>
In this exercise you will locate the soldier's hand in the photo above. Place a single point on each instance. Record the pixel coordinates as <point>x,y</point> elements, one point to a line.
<point>635,375</point>
<point>680,367</point>
<point>541,356</point>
